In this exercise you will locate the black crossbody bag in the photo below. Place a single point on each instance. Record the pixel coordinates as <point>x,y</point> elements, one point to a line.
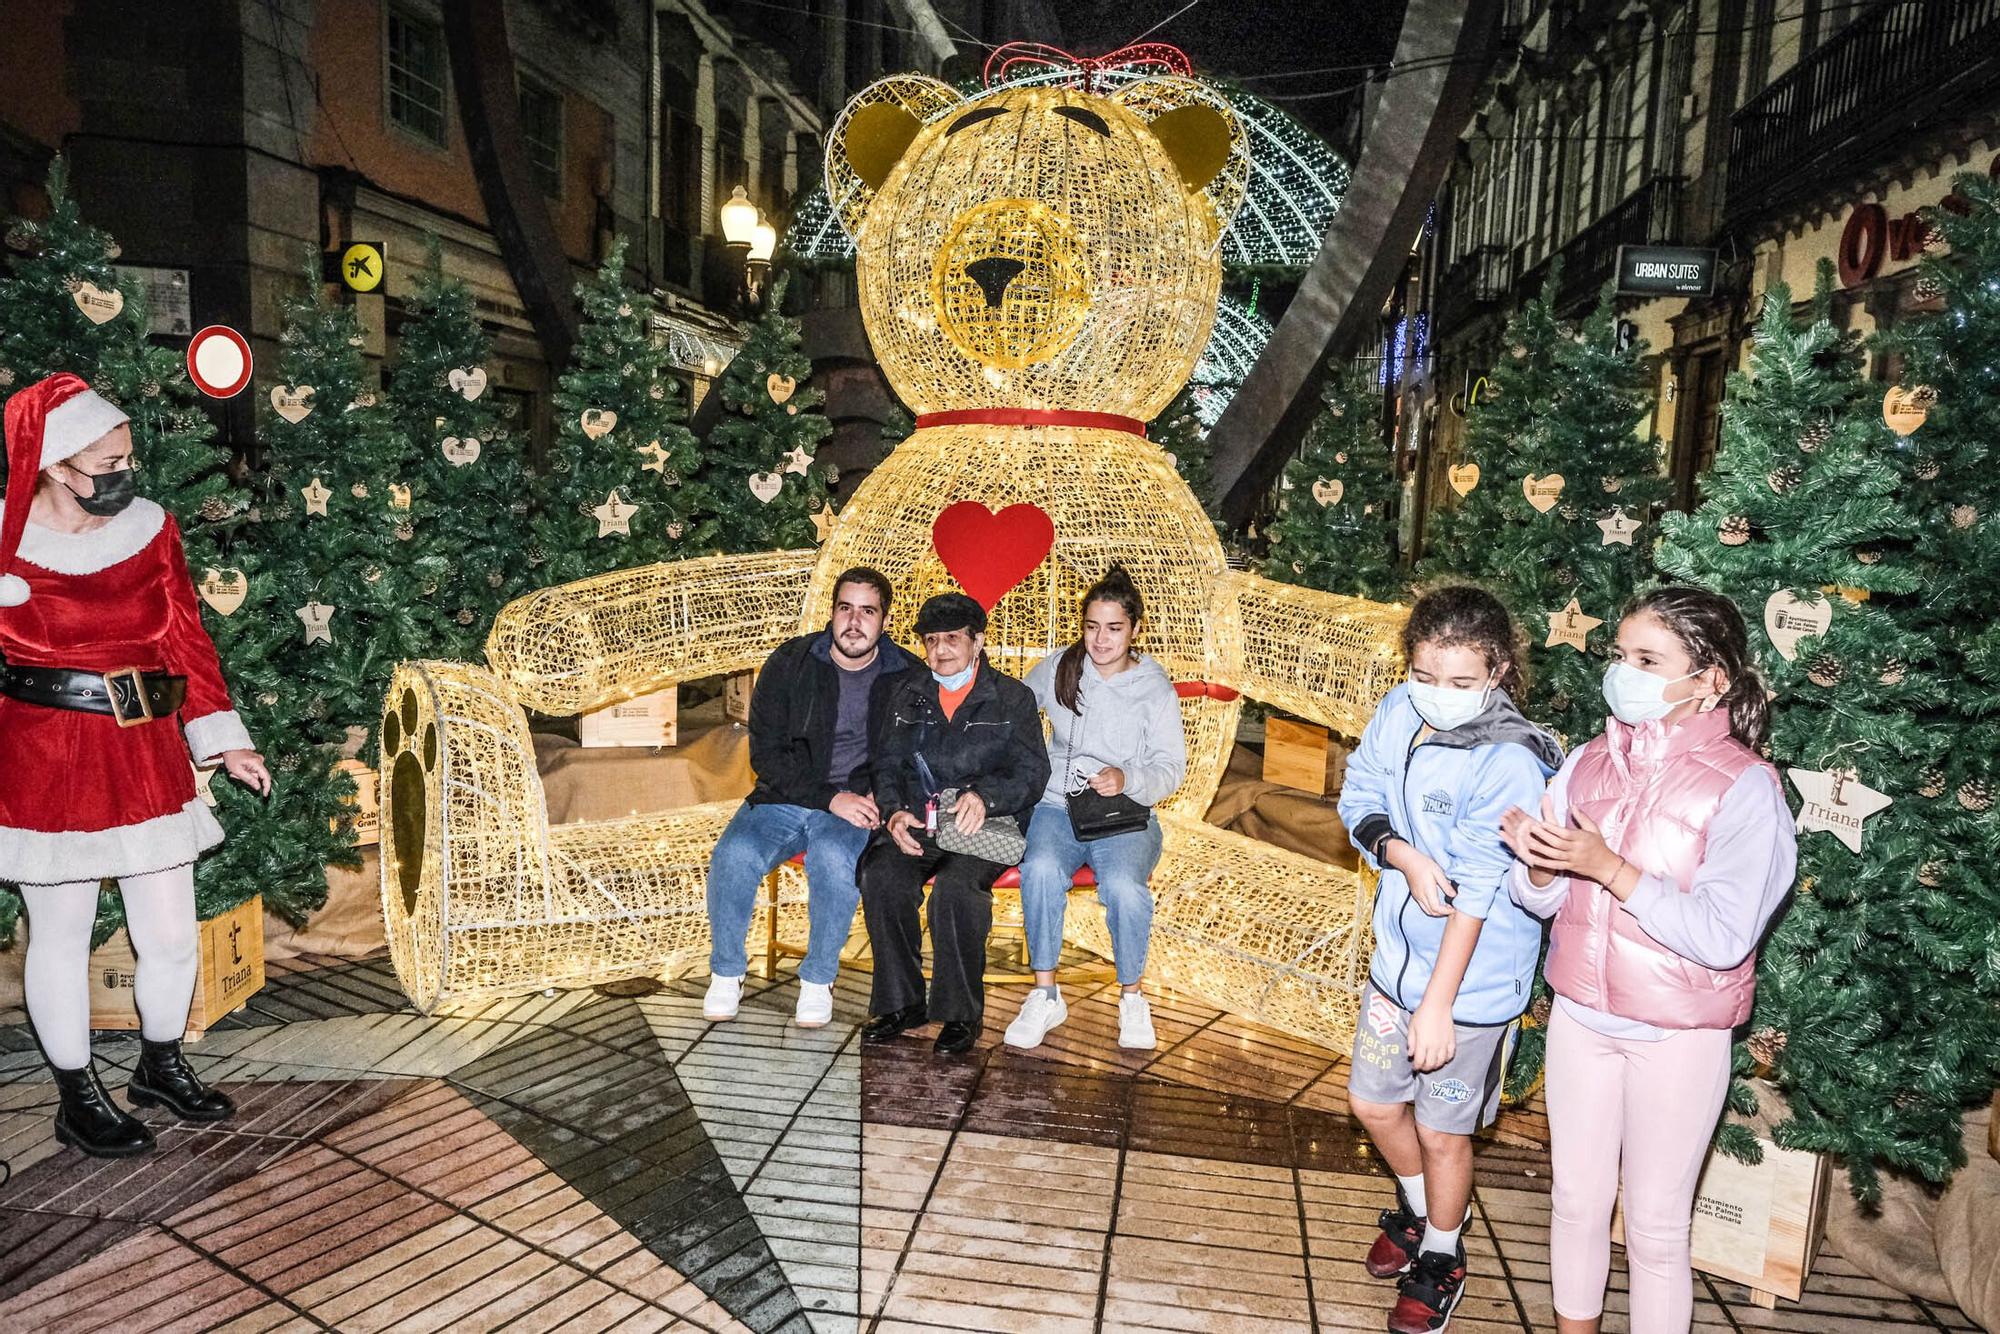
<point>1092,815</point>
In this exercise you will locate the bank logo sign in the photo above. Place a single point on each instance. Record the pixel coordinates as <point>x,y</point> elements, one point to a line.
<point>1665,270</point>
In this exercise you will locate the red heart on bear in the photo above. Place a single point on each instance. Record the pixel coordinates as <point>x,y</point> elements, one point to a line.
<point>990,553</point>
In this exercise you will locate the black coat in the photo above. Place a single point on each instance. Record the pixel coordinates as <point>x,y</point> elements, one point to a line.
<point>792,714</point>
<point>991,746</point>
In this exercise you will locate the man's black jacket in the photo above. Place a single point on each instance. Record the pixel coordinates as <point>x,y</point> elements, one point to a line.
<point>991,745</point>
<point>792,713</point>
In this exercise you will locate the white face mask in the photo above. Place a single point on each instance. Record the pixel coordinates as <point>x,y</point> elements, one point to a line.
<point>1447,707</point>
<point>1637,696</point>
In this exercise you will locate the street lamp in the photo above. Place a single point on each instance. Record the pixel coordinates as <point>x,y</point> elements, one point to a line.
<point>739,219</point>
<point>753,240</point>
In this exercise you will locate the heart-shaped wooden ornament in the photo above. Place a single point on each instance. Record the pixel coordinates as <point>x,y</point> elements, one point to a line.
<point>292,402</point>
<point>780,387</point>
<point>1542,492</point>
<point>766,485</point>
<point>224,590</point>
<point>97,304</point>
<point>597,422</point>
<point>468,382</point>
<point>1464,477</point>
<point>990,553</point>
<point>1788,619</point>
<point>461,452</point>
<point>1329,492</point>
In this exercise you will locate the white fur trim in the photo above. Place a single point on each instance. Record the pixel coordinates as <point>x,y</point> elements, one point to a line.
<point>212,733</point>
<point>128,533</point>
<point>77,423</point>
<point>32,857</point>
<point>13,590</point>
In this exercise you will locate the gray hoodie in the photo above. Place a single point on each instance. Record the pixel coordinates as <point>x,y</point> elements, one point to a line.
<point>1131,721</point>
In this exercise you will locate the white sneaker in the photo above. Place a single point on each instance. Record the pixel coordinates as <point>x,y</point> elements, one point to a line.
<point>1039,1013</point>
<point>1135,1022</point>
<point>724,994</point>
<point>815,1005</point>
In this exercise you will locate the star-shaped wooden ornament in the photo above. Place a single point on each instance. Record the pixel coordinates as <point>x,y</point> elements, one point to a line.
<point>316,496</point>
<point>1837,801</point>
<point>318,620</point>
<point>823,524</point>
<point>1570,626</point>
<point>656,458</point>
<point>1617,527</point>
<point>614,516</point>
<point>798,461</point>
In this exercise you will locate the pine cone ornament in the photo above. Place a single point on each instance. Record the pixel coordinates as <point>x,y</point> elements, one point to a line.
<point>1733,531</point>
<point>495,579</point>
<point>1766,1046</point>
<point>288,763</point>
<point>405,531</point>
<point>1893,671</point>
<point>19,238</point>
<point>268,699</point>
<point>465,616</point>
<point>537,556</point>
<point>1569,512</point>
<point>1826,670</point>
<point>215,509</point>
<point>430,587</point>
<point>1612,485</point>
<point>1816,434</point>
<point>1868,555</point>
<point>674,530</point>
<point>1517,351</point>
<point>1964,516</point>
<point>1786,478</point>
<point>316,707</point>
<point>1926,470</point>
<point>1927,288</point>
<point>1540,1010</point>
<point>1975,794</point>
<point>372,575</point>
<point>1931,874</point>
<point>359,490</point>
<point>1340,457</point>
<point>1565,576</point>
<point>1930,783</point>
<point>1924,396</point>
<point>1561,702</point>
<point>656,391</point>
<point>6,375</point>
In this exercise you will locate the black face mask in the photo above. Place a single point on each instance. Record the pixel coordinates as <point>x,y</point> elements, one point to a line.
<point>112,493</point>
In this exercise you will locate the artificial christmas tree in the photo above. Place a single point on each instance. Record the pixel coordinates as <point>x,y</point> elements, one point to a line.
<point>1559,519</point>
<point>758,461</point>
<point>621,485</point>
<point>469,491</point>
<point>1335,527</point>
<point>66,309</point>
<point>1805,527</point>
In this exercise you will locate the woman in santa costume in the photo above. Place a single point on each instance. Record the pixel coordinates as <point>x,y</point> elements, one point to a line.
<point>102,651</point>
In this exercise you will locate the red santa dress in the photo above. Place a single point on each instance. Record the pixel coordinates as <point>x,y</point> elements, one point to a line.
<point>82,798</point>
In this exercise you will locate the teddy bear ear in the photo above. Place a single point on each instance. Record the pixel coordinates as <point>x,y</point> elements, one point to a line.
<point>870,136</point>
<point>1202,134</point>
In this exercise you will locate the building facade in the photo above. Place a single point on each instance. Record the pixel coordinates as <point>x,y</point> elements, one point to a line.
<point>1777,132</point>
<point>226,143</point>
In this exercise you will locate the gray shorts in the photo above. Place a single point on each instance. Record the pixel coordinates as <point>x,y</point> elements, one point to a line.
<point>1459,1097</point>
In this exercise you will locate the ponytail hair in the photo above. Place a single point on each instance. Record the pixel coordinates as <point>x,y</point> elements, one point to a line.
<point>1711,629</point>
<point>1116,586</point>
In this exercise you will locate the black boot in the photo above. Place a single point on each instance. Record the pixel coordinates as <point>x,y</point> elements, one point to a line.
<point>90,1121</point>
<point>163,1079</point>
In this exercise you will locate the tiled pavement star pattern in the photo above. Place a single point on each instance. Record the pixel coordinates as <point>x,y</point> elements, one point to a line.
<point>586,1162</point>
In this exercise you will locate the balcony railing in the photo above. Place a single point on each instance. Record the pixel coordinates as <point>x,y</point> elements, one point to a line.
<point>1650,215</point>
<point>1897,68</point>
<point>1476,280</point>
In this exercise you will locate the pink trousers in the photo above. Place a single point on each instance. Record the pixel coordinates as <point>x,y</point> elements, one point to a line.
<point>1648,1108</point>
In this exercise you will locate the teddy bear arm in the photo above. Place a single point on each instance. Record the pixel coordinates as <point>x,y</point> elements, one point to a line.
<point>577,646</point>
<point>1317,655</point>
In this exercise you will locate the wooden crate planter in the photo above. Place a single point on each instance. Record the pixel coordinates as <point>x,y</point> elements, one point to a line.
<point>1759,1225</point>
<point>231,970</point>
<point>1295,754</point>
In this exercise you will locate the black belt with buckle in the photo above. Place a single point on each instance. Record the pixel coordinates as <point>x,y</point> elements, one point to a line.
<point>129,695</point>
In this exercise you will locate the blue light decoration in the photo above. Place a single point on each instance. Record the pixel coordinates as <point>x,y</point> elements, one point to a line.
<point>1296,182</point>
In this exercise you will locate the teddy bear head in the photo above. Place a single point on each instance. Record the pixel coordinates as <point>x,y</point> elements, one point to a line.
<point>1037,246</point>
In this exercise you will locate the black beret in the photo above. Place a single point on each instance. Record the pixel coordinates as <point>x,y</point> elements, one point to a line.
<point>951,611</point>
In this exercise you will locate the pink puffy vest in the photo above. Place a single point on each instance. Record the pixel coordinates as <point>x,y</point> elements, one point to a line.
<point>1652,791</point>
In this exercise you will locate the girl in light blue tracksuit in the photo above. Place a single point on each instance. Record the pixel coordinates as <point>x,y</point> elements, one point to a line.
<point>1444,756</point>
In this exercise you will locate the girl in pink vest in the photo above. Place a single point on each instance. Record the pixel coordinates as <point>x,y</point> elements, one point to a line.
<point>1663,848</point>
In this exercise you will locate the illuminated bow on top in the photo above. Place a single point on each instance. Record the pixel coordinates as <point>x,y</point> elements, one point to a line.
<point>1144,56</point>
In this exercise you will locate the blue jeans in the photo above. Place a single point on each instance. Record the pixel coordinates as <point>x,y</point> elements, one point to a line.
<point>758,839</point>
<point>1123,863</point>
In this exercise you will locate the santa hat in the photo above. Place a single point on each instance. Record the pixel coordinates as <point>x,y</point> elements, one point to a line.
<point>48,422</point>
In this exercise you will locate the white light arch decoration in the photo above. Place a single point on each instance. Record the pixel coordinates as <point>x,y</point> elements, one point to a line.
<point>1295,188</point>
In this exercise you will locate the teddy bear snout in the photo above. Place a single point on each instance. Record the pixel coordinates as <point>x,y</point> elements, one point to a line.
<point>993,274</point>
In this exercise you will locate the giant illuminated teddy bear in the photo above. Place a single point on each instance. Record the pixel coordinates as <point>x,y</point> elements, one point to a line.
<point>1038,273</point>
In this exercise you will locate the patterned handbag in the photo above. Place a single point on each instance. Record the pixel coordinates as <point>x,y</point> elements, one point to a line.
<point>998,840</point>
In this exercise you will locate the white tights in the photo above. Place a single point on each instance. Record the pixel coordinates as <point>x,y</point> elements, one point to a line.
<point>159,915</point>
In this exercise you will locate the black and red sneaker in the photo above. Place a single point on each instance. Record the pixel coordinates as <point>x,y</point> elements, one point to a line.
<point>1429,1293</point>
<point>1396,1249</point>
